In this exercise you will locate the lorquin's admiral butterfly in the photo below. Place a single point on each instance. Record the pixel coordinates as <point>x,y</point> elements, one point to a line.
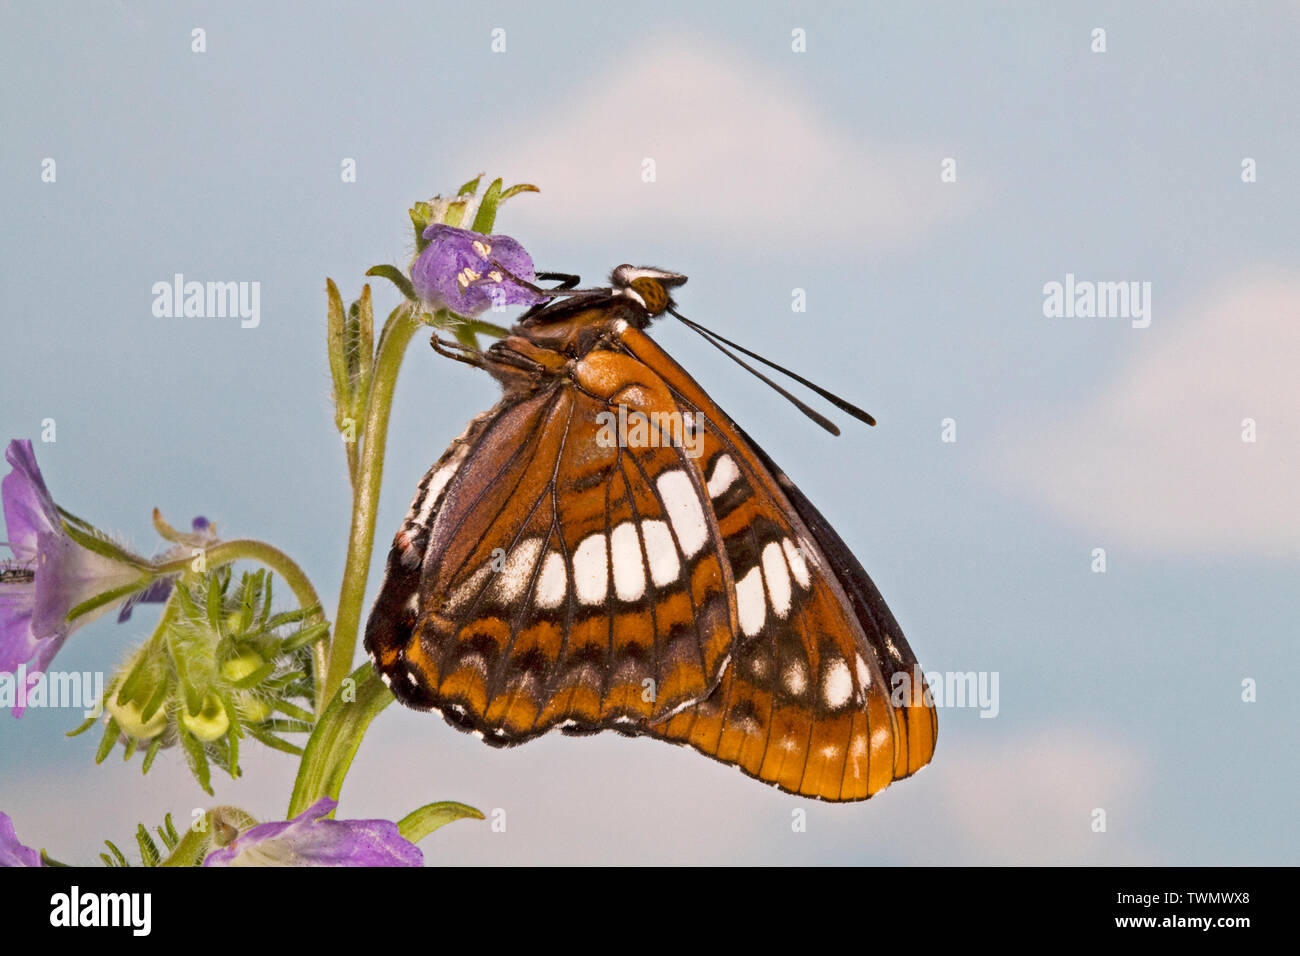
<point>548,577</point>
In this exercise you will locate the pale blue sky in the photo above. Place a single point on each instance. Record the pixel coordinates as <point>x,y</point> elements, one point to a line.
<point>775,170</point>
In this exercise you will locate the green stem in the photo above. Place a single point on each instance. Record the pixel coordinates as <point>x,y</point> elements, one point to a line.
<point>283,565</point>
<point>398,331</point>
<point>335,739</point>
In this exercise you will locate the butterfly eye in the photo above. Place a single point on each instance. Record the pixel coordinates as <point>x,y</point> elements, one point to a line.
<point>652,293</point>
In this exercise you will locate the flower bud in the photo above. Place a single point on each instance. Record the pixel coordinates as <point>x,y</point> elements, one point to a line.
<point>130,717</point>
<point>210,722</point>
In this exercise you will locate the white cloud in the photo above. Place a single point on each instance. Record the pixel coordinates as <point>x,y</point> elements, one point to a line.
<point>1157,460</point>
<point>739,150</point>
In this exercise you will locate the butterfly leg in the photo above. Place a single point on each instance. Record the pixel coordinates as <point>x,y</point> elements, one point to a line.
<point>454,350</point>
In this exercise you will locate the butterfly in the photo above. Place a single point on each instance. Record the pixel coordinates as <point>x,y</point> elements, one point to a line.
<point>607,549</point>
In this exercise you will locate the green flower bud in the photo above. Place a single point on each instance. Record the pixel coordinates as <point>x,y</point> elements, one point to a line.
<point>210,722</point>
<point>241,665</point>
<point>252,707</point>
<point>130,717</point>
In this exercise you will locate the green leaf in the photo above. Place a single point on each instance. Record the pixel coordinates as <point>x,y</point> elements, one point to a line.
<point>365,349</point>
<point>334,340</point>
<point>193,697</point>
<point>308,635</point>
<point>154,702</point>
<point>256,677</point>
<point>284,707</point>
<point>198,761</point>
<point>121,859</point>
<point>85,724</point>
<point>47,860</point>
<point>232,743</point>
<point>455,213</point>
<point>134,680</point>
<point>487,208</point>
<point>108,597</point>
<point>516,190</point>
<point>397,277</point>
<point>418,824</point>
<point>421,215</point>
<point>247,608</point>
<point>155,745</point>
<point>216,612</point>
<point>149,854</point>
<point>102,546</point>
<point>471,187</point>
<point>335,740</point>
<point>111,733</point>
<point>272,741</point>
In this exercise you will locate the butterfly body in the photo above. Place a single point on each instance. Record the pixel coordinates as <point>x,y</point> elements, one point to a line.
<point>558,571</point>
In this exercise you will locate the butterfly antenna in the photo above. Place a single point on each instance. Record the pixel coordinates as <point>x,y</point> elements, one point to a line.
<point>840,403</point>
<point>812,413</point>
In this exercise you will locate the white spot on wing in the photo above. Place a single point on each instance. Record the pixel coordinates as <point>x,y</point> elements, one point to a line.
<point>629,566</point>
<point>777,577</point>
<point>724,475</point>
<point>864,673</point>
<point>591,570</point>
<point>683,506</point>
<point>439,482</point>
<point>751,604</point>
<point>512,580</point>
<point>552,582</point>
<point>837,684</point>
<point>798,566</point>
<point>468,589</point>
<point>659,548</point>
<point>796,677</point>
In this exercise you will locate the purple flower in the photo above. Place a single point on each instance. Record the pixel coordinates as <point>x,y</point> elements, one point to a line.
<point>13,853</point>
<point>51,573</point>
<point>309,839</point>
<point>458,270</point>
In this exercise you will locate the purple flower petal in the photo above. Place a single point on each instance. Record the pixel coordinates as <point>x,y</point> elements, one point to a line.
<point>13,853</point>
<point>155,593</point>
<point>311,840</point>
<point>458,271</point>
<point>54,575</point>
<point>29,509</point>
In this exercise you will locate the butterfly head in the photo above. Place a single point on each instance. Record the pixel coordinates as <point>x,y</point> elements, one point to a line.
<point>646,286</point>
